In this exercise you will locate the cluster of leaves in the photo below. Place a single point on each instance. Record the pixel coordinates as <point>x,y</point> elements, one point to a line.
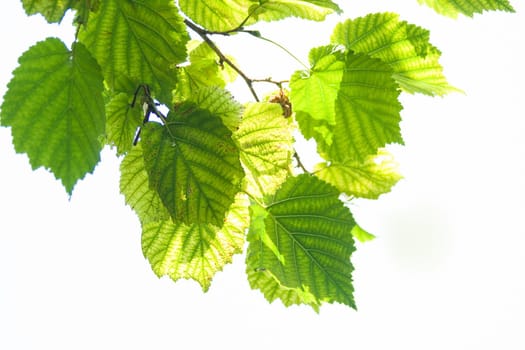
<point>210,173</point>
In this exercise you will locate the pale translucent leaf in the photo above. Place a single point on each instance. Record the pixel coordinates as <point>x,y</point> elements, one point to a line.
<point>196,251</point>
<point>453,8</point>
<point>216,15</point>
<point>311,229</point>
<point>266,143</point>
<point>55,109</point>
<point>271,10</point>
<point>134,185</point>
<point>193,164</point>
<point>368,179</point>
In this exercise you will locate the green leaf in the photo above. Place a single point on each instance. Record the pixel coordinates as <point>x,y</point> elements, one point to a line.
<point>363,117</point>
<point>405,47</point>
<point>219,102</point>
<point>266,143</point>
<point>197,251</point>
<point>366,111</point>
<point>314,93</point>
<point>263,280</point>
<point>453,8</point>
<point>258,227</point>
<point>52,10</point>
<point>122,122</point>
<point>134,185</point>
<point>311,229</point>
<point>271,10</point>
<point>193,164</point>
<point>216,15</point>
<point>140,39</point>
<point>368,179</point>
<point>55,108</point>
<point>362,235</point>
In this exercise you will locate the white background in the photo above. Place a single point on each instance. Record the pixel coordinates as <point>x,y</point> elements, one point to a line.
<point>447,270</point>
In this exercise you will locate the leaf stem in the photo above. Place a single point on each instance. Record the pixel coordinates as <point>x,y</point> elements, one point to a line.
<point>281,47</point>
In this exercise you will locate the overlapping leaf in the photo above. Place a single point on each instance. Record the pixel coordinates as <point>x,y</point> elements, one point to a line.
<point>52,10</point>
<point>272,290</point>
<point>365,113</point>
<point>204,71</point>
<point>122,122</point>
<point>195,251</point>
<point>134,185</point>
<point>314,93</point>
<point>366,110</point>
<point>311,230</point>
<point>368,179</point>
<point>193,164</point>
<point>453,8</point>
<point>405,47</point>
<point>218,102</point>
<point>55,109</point>
<point>266,143</point>
<point>140,39</point>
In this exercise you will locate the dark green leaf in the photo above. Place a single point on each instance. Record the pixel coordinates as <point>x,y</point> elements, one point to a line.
<point>311,229</point>
<point>366,111</point>
<point>193,164</point>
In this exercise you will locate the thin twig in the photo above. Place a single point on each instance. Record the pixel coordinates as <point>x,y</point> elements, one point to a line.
<point>204,35</point>
<point>299,163</point>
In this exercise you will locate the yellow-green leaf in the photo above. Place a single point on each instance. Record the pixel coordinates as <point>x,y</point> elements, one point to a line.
<point>52,10</point>
<point>196,251</point>
<point>374,176</point>
<point>134,185</point>
<point>405,47</point>
<point>266,143</point>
